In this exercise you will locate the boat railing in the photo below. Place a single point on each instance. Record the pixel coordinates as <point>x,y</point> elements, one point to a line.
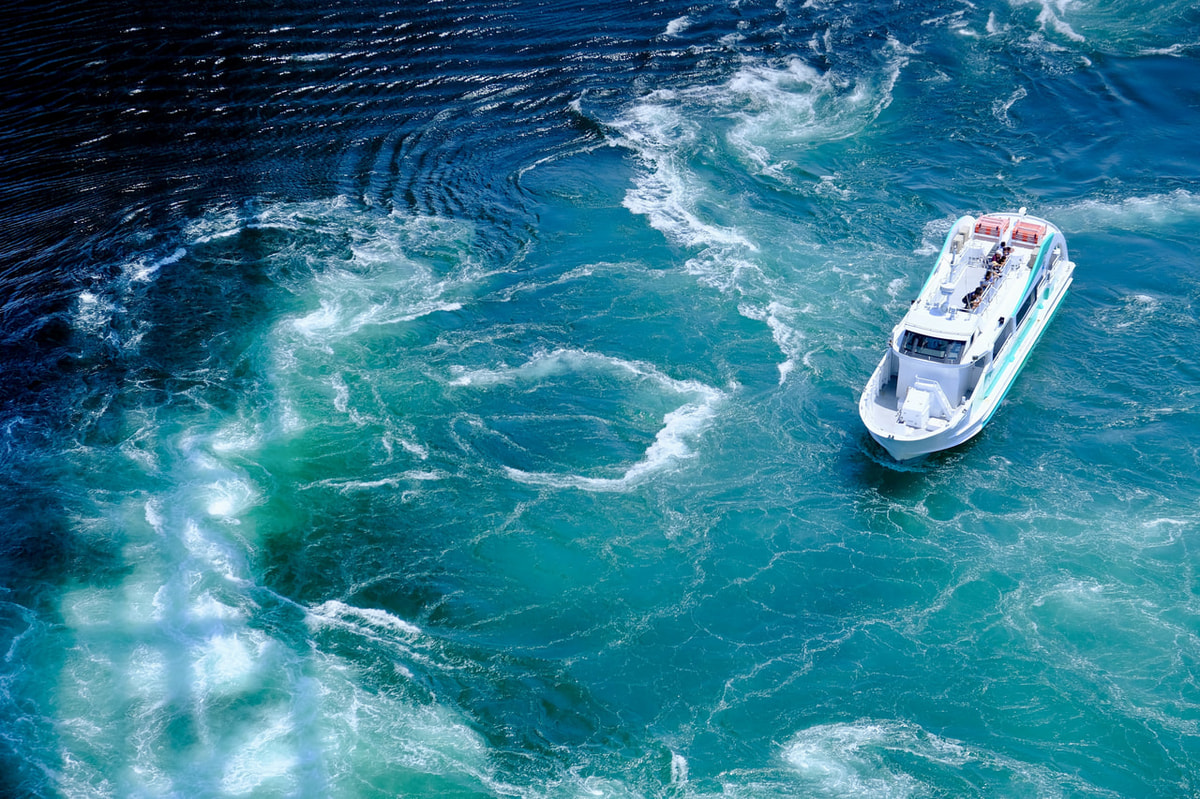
<point>990,287</point>
<point>989,293</point>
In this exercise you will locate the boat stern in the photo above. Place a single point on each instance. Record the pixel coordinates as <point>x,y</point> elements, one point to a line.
<point>923,422</point>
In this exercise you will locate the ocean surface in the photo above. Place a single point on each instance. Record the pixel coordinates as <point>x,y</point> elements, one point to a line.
<point>460,399</point>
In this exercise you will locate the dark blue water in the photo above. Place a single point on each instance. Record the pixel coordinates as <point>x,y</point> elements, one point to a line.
<point>459,399</point>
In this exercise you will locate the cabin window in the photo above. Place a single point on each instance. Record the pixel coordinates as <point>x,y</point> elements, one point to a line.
<point>1026,306</point>
<point>931,348</point>
<point>1005,333</point>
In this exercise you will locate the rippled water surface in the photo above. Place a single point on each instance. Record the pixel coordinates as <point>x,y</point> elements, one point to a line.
<point>459,399</point>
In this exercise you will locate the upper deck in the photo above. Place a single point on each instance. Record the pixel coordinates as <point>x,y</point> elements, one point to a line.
<point>979,277</point>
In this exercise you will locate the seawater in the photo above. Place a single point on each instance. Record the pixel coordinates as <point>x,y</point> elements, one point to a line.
<point>459,399</point>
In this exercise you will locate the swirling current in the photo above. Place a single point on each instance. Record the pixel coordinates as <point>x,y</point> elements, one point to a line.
<point>460,399</point>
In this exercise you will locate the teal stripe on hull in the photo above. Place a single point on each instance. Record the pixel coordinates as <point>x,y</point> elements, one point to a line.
<point>1016,348</point>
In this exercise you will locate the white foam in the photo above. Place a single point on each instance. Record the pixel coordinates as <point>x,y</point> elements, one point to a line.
<point>539,285</point>
<point>1051,16</point>
<point>139,447</point>
<point>424,475</point>
<point>679,769</point>
<point>207,608</point>
<point>327,317</point>
<point>770,112</point>
<point>726,271</point>
<point>154,516</point>
<point>846,759</point>
<point>381,283</point>
<point>341,393</point>
<point>212,551</point>
<point>348,486</point>
<point>933,236</point>
<point>413,448</point>
<point>263,756</point>
<point>669,447</point>
<point>1177,49</point>
<point>138,601</point>
<point>786,336</point>
<point>954,20</point>
<point>560,361</point>
<point>218,224</point>
<point>240,436</point>
<point>389,440</point>
<point>93,313</point>
<point>1079,594</point>
<point>369,732</point>
<point>104,311</point>
<point>1151,213</point>
<point>142,272</point>
<point>670,444</point>
<point>776,107</point>
<point>230,497</point>
<point>661,136</point>
<point>1168,521</point>
<point>332,320</point>
<point>1000,108</point>
<point>677,26</point>
<point>339,613</point>
<point>865,758</point>
<point>226,663</point>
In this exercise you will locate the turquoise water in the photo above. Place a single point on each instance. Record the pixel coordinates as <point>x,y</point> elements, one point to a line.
<point>425,401</point>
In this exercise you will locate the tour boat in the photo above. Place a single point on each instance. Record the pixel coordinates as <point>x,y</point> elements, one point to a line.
<point>993,290</point>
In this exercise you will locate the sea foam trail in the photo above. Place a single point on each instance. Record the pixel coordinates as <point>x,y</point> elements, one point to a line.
<point>670,446</point>
<point>774,114</point>
<point>671,443</point>
<point>874,758</point>
<point>1151,213</point>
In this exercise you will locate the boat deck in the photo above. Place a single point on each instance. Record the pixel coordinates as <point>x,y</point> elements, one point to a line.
<point>974,277</point>
<point>886,399</point>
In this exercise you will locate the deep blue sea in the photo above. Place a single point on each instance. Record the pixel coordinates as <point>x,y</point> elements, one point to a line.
<point>452,398</point>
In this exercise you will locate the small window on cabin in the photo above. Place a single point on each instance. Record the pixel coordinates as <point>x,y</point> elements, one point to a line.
<point>932,348</point>
<point>1026,306</point>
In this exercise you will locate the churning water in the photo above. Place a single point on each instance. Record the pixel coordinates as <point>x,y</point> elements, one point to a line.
<point>460,399</point>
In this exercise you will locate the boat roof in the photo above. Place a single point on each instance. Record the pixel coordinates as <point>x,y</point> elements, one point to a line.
<point>964,266</point>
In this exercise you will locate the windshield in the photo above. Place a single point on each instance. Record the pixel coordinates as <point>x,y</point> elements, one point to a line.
<point>931,348</point>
